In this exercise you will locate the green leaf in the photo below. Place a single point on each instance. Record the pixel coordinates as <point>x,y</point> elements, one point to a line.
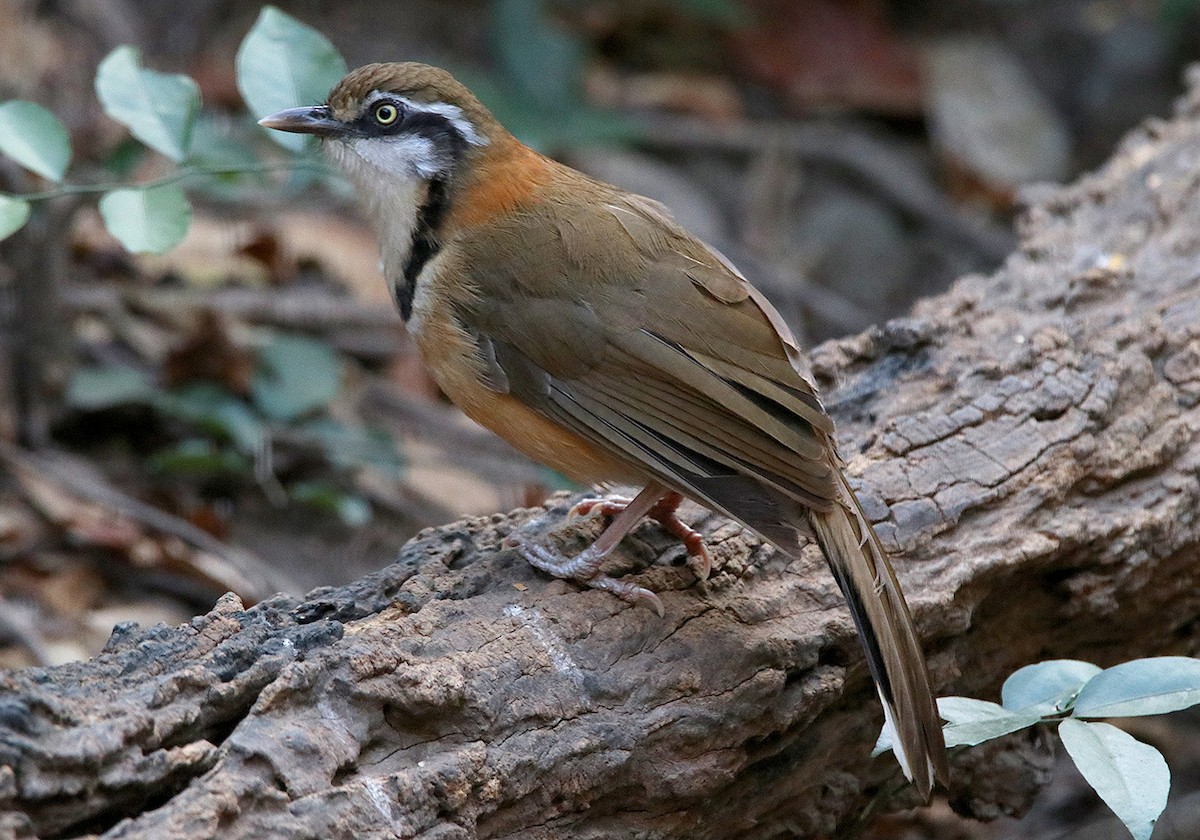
<point>1131,777</point>
<point>354,446</point>
<point>201,459</point>
<point>226,153</point>
<point>885,740</point>
<point>14,213</point>
<point>159,108</point>
<point>282,63</point>
<point>542,60</point>
<point>295,376</point>
<point>971,722</point>
<point>217,412</point>
<point>1046,687</point>
<point>216,145</point>
<point>95,389</point>
<point>34,138</point>
<point>352,510</point>
<point>148,220</point>
<point>1151,686</point>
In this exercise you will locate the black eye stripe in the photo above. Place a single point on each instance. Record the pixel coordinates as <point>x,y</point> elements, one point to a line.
<point>434,127</point>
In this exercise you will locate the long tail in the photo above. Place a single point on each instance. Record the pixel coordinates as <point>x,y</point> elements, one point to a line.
<point>886,631</point>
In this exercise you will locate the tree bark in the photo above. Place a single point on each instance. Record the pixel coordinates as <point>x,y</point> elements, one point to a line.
<point>1029,444</point>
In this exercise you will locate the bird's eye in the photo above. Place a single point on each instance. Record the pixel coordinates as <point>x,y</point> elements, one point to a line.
<point>386,113</point>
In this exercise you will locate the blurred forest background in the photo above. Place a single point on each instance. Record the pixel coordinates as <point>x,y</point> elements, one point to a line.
<point>245,412</point>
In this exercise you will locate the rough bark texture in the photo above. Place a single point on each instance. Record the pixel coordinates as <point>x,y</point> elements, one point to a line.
<point>1028,442</point>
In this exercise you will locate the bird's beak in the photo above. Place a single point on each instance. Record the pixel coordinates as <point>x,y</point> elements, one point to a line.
<point>313,119</point>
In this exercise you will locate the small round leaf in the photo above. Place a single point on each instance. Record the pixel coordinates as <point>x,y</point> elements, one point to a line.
<point>354,446</point>
<point>14,213</point>
<point>971,722</point>
<point>295,376</point>
<point>34,138</point>
<point>159,108</point>
<point>217,412</point>
<point>1150,686</point>
<point>96,389</point>
<point>543,60</point>
<point>968,722</point>
<point>147,221</point>
<point>283,63</point>
<point>1131,777</point>
<point>1046,687</point>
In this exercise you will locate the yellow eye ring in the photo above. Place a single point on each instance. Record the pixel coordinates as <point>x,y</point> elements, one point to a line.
<point>386,113</point>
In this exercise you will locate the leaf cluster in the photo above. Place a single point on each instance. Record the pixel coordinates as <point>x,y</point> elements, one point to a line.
<point>233,438</point>
<point>1130,776</point>
<point>281,63</point>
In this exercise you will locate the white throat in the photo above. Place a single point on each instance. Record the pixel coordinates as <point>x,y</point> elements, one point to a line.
<point>390,191</point>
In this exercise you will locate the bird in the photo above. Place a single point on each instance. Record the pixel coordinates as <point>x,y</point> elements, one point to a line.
<point>583,325</point>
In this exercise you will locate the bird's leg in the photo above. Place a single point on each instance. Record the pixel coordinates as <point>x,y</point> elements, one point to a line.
<point>665,513</point>
<point>606,506</point>
<point>585,566</point>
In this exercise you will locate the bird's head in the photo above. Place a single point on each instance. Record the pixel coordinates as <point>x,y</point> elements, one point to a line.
<point>388,123</point>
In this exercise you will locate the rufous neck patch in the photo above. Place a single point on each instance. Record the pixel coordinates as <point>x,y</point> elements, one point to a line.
<point>504,179</point>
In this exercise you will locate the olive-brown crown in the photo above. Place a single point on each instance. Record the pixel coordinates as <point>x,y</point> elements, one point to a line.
<point>419,82</point>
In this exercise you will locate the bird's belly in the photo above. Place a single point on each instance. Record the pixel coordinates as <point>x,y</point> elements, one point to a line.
<point>451,356</point>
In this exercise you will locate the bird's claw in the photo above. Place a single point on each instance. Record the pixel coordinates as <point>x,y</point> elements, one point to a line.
<point>629,592</point>
<point>607,507</point>
<point>584,568</point>
<point>699,559</point>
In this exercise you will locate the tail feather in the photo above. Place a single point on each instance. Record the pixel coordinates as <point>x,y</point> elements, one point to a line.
<point>866,578</point>
<point>886,631</point>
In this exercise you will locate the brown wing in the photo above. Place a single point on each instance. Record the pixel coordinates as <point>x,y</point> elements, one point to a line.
<point>641,339</point>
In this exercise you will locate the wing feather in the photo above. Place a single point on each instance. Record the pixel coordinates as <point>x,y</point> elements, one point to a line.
<point>674,360</point>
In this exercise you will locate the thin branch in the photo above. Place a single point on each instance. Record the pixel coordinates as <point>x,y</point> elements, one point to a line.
<point>182,174</point>
<point>298,308</point>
